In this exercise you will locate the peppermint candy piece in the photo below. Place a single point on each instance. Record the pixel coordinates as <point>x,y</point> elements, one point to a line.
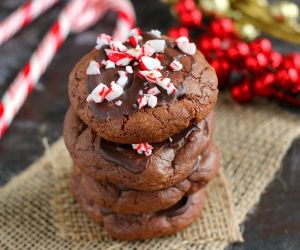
<point>102,40</point>
<point>119,58</point>
<point>93,68</point>
<point>150,75</point>
<point>147,50</point>
<point>153,91</point>
<point>143,148</point>
<point>135,52</point>
<point>123,79</point>
<point>134,31</point>
<point>176,66</point>
<point>134,40</point>
<point>151,100</point>
<point>98,94</point>
<point>129,69</point>
<point>142,101</point>
<point>166,84</point>
<point>108,64</point>
<point>149,63</point>
<point>117,45</point>
<point>158,45</point>
<point>118,103</point>
<point>156,33</point>
<point>113,92</point>
<point>185,46</point>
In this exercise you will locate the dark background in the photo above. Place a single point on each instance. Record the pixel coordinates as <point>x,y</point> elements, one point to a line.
<point>273,224</point>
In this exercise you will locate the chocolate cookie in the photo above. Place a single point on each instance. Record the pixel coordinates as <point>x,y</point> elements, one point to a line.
<point>123,200</point>
<point>171,161</point>
<point>145,226</point>
<point>121,120</point>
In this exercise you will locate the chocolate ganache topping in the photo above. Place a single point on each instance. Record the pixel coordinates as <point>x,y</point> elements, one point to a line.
<point>131,92</point>
<point>124,155</point>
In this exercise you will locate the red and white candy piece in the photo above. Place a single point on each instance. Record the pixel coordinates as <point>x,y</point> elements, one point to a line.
<point>142,101</point>
<point>158,45</point>
<point>135,52</point>
<point>129,69</point>
<point>135,32</point>
<point>143,148</point>
<point>113,92</point>
<point>123,79</point>
<point>176,65</point>
<point>118,103</point>
<point>185,46</point>
<point>149,63</point>
<point>118,46</point>
<point>153,91</point>
<point>119,58</point>
<point>156,33</point>
<point>93,68</point>
<point>108,64</point>
<point>150,75</point>
<point>147,99</point>
<point>166,84</point>
<point>134,40</point>
<point>147,50</point>
<point>103,40</point>
<point>98,94</point>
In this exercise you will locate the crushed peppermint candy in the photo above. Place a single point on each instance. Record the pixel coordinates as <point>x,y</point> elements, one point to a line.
<point>118,103</point>
<point>108,64</point>
<point>150,75</point>
<point>153,91</point>
<point>142,101</point>
<point>158,45</point>
<point>147,99</point>
<point>147,50</point>
<point>129,69</point>
<point>119,58</point>
<point>135,32</point>
<point>103,40</point>
<point>123,79</point>
<point>93,68</point>
<point>135,52</point>
<point>143,148</point>
<point>141,92</point>
<point>102,92</point>
<point>176,65</point>
<point>156,33</point>
<point>185,46</point>
<point>117,45</point>
<point>166,84</point>
<point>149,63</point>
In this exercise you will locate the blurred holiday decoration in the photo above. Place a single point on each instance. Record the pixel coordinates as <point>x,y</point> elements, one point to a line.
<point>227,34</point>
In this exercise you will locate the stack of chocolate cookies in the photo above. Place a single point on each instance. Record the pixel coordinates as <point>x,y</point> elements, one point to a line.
<point>139,130</point>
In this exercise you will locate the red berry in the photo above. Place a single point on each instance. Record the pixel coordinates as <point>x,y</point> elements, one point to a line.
<point>243,48</point>
<point>292,60</point>
<point>262,45</point>
<point>275,59</point>
<point>233,54</point>
<point>242,92</point>
<point>216,43</point>
<point>176,32</point>
<point>263,85</point>
<point>185,5</point>
<point>286,78</point>
<point>204,43</point>
<point>190,18</point>
<point>292,100</point>
<point>256,63</point>
<point>222,69</point>
<point>196,17</point>
<point>222,27</point>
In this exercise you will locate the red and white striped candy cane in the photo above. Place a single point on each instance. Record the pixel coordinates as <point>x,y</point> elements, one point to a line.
<point>23,84</point>
<point>23,16</point>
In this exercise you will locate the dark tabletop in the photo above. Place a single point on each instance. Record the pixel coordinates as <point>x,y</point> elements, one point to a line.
<point>273,224</point>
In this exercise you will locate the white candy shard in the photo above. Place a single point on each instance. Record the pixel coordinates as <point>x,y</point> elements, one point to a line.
<point>134,32</point>
<point>135,52</point>
<point>129,69</point>
<point>119,58</point>
<point>123,79</point>
<point>149,63</point>
<point>142,101</point>
<point>166,84</point>
<point>102,40</point>
<point>141,92</point>
<point>98,94</point>
<point>176,65</point>
<point>185,46</point>
<point>114,91</point>
<point>108,64</point>
<point>117,45</point>
<point>147,50</point>
<point>93,68</point>
<point>151,100</point>
<point>156,33</point>
<point>158,45</point>
<point>118,103</point>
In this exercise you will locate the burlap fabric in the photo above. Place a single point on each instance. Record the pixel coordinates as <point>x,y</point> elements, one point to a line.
<point>38,212</point>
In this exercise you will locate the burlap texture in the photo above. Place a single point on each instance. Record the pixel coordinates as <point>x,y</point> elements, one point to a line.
<point>38,212</point>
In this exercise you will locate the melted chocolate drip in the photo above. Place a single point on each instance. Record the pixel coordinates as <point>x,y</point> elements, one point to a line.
<point>107,110</point>
<point>123,154</point>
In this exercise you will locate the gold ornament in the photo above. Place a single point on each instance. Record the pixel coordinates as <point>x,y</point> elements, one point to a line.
<point>248,31</point>
<point>215,6</point>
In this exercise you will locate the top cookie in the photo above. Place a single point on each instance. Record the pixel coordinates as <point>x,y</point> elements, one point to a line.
<point>144,90</point>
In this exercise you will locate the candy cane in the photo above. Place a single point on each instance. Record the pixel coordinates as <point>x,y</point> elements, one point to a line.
<point>23,84</point>
<point>22,17</point>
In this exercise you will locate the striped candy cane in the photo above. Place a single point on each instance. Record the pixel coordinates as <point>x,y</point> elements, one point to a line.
<point>23,16</point>
<point>88,12</point>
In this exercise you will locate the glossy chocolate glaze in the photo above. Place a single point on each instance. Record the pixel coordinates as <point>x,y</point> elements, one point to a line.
<point>107,110</point>
<point>123,154</point>
<point>178,209</point>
